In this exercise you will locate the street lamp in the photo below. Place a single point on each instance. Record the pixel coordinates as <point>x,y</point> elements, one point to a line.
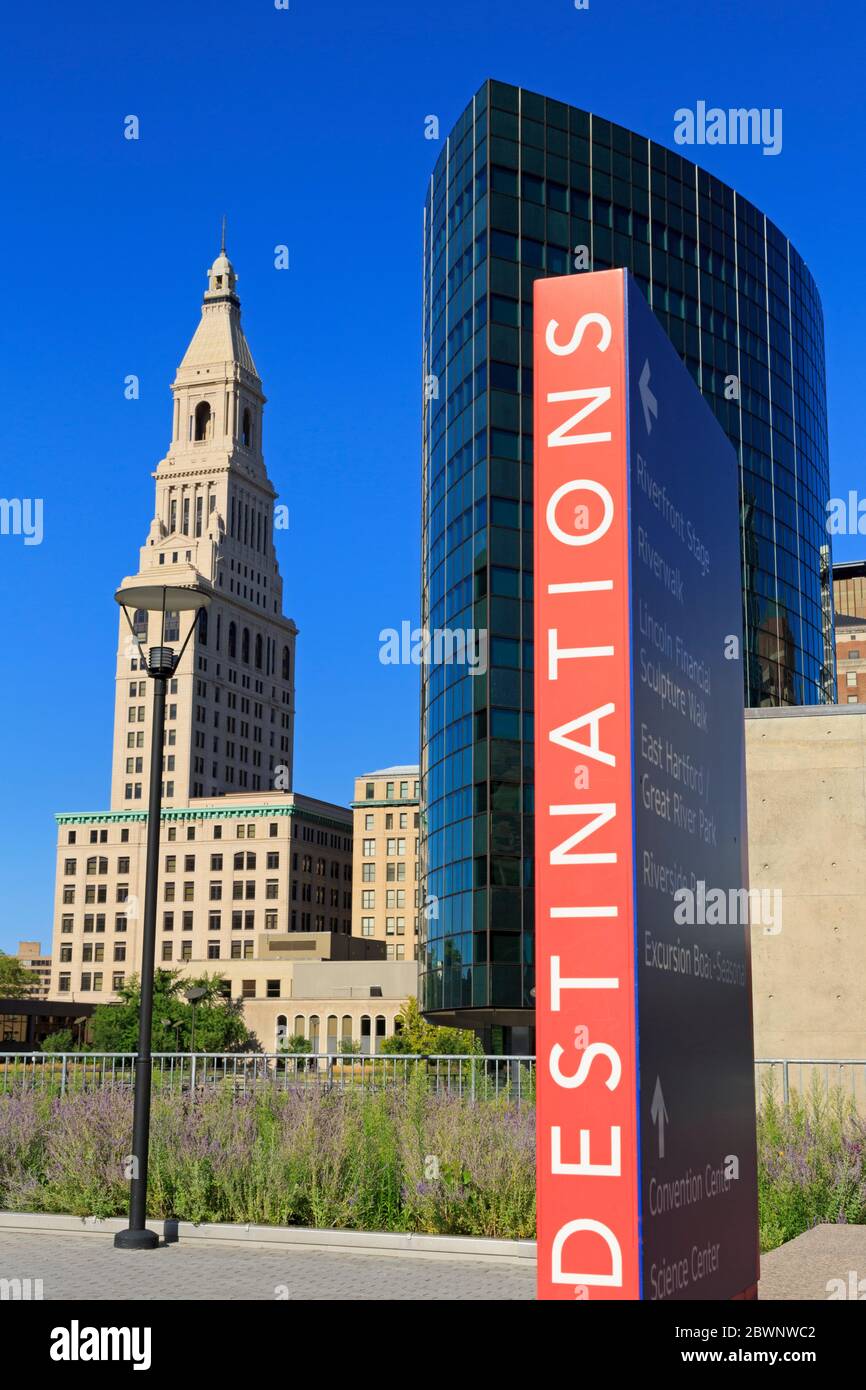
<point>188,594</point>
<point>193,996</point>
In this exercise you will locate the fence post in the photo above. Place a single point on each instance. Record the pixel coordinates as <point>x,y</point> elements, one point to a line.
<point>785,1082</point>
<point>63,1076</point>
<point>192,1076</point>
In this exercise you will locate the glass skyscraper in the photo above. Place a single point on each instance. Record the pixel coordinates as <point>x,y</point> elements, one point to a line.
<point>527,187</point>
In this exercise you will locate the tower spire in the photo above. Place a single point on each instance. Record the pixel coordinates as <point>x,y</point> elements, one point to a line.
<point>223,241</point>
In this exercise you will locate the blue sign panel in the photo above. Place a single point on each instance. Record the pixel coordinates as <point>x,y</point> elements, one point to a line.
<point>698,1171</point>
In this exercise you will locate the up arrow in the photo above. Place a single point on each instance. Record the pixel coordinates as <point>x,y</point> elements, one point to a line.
<point>647,399</point>
<point>659,1115</point>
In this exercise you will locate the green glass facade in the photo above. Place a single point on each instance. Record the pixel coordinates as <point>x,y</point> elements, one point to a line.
<point>526,187</point>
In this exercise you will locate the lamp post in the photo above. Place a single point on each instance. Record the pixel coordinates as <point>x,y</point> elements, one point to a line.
<point>160,663</point>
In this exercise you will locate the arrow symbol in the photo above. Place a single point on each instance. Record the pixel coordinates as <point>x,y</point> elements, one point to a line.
<point>647,399</point>
<point>659,1115</point>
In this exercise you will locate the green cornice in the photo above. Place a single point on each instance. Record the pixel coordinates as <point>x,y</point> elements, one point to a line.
<point>184,813</point>
<point>393,801</point>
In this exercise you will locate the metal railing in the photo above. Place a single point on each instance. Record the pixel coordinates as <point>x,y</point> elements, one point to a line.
<point>473,1077</point>
<point>802,1074</point>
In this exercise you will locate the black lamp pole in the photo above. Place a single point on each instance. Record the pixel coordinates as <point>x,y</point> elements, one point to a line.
<point>137,1236</point>
<point>160,666</point>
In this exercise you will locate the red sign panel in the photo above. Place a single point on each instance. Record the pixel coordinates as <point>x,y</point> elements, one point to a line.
<point>588,1237</point>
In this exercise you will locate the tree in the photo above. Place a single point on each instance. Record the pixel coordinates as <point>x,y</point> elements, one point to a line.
<point>61,1041</point>
<point>296,1043</point>
<point>16,980</point>
<point>219,1024</point>
<point>420,1037</point>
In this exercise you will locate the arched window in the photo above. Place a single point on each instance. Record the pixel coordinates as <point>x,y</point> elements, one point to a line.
<point>282,1030</point>
<point>300,1026</point>
<point>233,641</point>
<point>258,651</point>
<point>314,1032</point>
<point>202,421</point>
<point>91,865</point>
<point>239,859</point>
<point>245,646</point>
<point>346,1030</point>
<point>365,1034</point>
<point>286,664</point>
<point>247,430</point>
<point>332,1033</point>
<point>139,623</point>
<point>202,626</point>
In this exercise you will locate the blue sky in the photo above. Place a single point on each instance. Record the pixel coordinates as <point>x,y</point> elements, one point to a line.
<point>306,127</point>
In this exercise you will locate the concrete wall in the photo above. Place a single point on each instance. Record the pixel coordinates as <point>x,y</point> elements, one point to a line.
<point>806,781</point>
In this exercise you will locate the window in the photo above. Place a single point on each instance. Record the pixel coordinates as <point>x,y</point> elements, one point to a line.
<point>248,989</point>
<point>168,892</point>
<point>63,983</point>
<point>213,949</point>
<point>216,862</point>
<point>272,989</point>
<point>246,429</point>
<point>389,791</point>
<point>202,421</point>
<point>369,848</point>
<point>370,793</point>
<point>167,950</point>
<point>368,873</point>
<point>368,898</point>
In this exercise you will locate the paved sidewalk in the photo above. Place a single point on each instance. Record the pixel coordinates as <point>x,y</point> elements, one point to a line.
<point>84,1267</point>
<point>805,1267</point>
<point>88,1267</point>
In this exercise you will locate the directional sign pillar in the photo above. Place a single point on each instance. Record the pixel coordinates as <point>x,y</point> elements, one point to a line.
<point>647,1183</point>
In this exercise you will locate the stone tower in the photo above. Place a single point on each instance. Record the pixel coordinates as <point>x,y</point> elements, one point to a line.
<point>230,710</point>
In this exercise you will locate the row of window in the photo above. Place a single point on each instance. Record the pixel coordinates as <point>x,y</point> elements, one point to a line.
<point>402,820</point>
<point>244,830</point>
<point>394,897</point>
<point>394,873</point>
<point>394,926</point>
<point>370,792</point>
